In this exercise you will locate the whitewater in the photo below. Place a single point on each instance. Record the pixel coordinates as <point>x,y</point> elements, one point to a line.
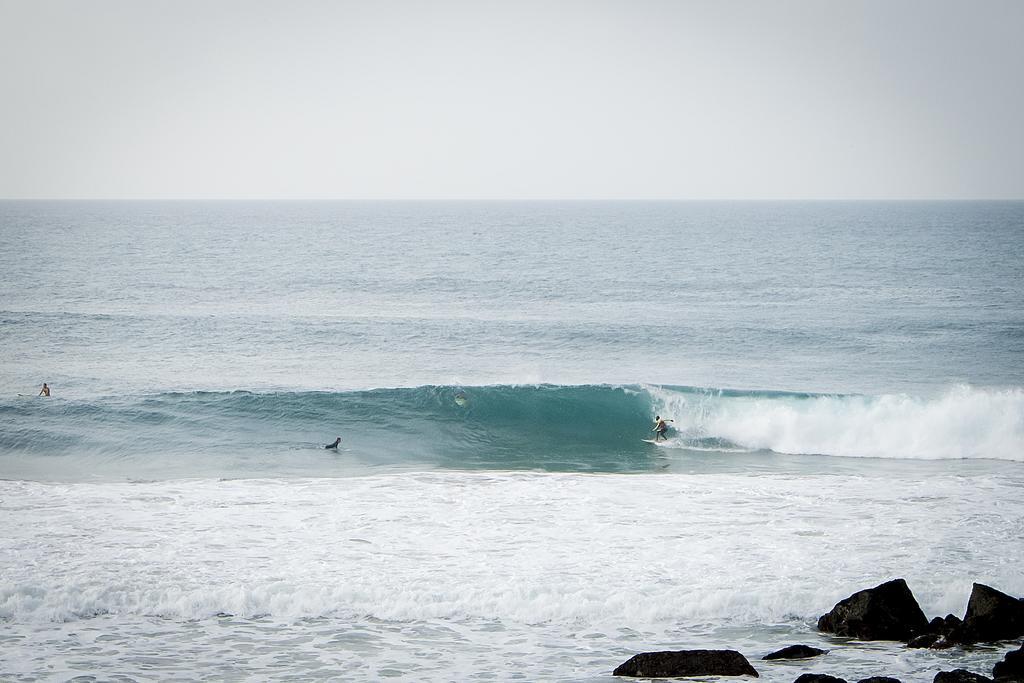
<point>844,379</point>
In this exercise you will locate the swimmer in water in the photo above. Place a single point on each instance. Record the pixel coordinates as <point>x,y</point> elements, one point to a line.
<point>45,391</point>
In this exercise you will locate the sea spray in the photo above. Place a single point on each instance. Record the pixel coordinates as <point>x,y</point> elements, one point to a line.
<point>962,422</point>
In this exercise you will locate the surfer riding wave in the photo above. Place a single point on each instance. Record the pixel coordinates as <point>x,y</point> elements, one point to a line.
<point>660,427</point>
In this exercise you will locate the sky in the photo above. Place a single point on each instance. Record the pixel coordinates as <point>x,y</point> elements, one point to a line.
<point>638,99</point>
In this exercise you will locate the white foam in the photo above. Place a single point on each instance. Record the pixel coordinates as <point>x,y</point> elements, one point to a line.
<point>521,548</point>
<point>963,422</point>
<point>445,575</point>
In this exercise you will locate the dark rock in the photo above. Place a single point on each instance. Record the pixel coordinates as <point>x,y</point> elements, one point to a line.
<point>942,633</point>
<point>952,630</point>
<point>944,643</point>
<point>924,640</point>
<point>885,612</point>
<point>818,678</point>
<point>880,679</point>
<point>960,676</point>
<point>795,652</point>
<point>992,615</point>
<point>946,624</point>
<point>686,663</point>
<point>1011,668</point>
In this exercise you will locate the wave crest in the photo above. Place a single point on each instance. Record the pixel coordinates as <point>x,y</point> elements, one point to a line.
<point>963,422</point>
<point>545,427</point>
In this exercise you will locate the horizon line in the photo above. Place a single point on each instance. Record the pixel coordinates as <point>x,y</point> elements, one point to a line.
<point>510,199</point>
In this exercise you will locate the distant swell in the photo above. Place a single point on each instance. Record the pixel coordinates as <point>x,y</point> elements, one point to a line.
<point>545,427</point>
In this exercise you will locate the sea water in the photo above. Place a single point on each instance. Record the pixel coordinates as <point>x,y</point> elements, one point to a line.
<point>845,379</point>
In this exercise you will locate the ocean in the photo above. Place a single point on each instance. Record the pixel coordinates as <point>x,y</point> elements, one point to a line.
<point>845,380</point>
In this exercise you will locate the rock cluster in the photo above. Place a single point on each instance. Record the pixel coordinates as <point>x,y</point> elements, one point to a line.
<point>888,611</point>
<point>942,632</point>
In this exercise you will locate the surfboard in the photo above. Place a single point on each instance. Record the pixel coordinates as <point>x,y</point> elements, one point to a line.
<point>656,443</point>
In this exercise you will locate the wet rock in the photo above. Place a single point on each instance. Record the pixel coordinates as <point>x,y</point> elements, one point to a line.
<point>924,640</point>
<point>992,615</point>
<point>960,676</point>
<point>1011,668</point>
<point>885,612</point>
<point>686,663</point>
<point>795,652</point>
<point>944,643</point>
<point>950,630</point>
<point>819,678</point>
<point>880,679</point>
<point>942,633</point>
<point>946,624</point>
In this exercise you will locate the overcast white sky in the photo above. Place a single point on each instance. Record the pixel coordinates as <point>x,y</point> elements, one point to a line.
<point>518,99</point>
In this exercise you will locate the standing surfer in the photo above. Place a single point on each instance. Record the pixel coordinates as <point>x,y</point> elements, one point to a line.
<point>660,427</point>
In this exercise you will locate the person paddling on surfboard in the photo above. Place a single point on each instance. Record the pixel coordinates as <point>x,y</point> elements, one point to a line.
<point>335,444</point>
<point>660,427</point>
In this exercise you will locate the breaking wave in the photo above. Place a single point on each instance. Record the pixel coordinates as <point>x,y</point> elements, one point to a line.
<point>545,427</point>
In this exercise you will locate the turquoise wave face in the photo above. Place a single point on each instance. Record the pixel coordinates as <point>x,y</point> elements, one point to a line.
<point>588,428</point>
<point>581,428</point>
